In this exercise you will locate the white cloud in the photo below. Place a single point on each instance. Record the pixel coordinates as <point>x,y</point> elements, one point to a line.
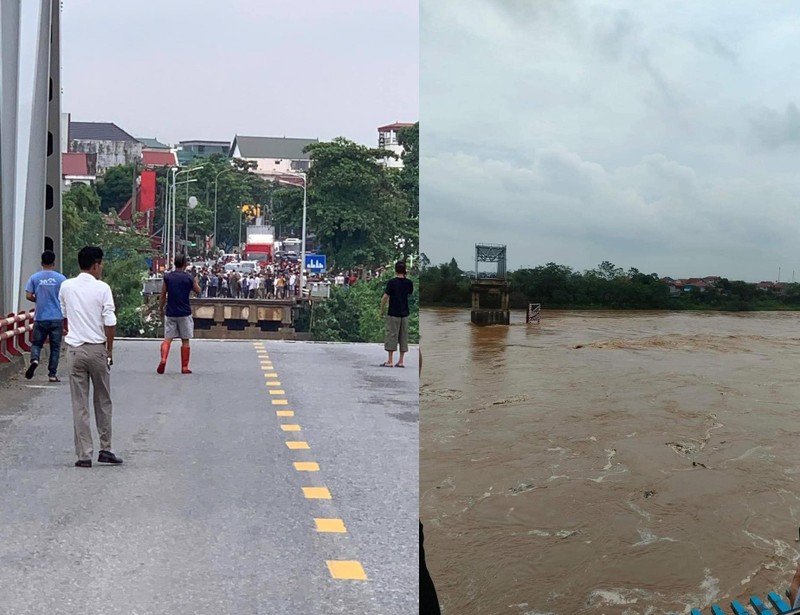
<point>579,132</point>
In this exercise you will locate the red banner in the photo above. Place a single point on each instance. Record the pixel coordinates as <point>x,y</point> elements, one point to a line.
<point>147,191</point>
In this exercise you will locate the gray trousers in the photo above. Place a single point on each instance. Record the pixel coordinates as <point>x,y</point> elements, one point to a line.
<point>396,331</point>
<point>87,363</point>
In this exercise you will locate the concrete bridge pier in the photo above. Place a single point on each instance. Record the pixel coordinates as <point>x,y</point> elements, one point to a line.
<point>490,302</point>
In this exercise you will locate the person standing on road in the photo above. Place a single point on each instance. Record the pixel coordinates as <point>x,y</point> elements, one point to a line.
<point>177,316</point>
<point>90,325</point>
<point>396,295</point>
<point>42,289</point>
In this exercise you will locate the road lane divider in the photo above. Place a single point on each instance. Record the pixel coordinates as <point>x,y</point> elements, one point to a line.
<point>297,445</point>
<point>338,569</point>
<point>317,493</point>
<point>346,569</point>
<point>330,525</point>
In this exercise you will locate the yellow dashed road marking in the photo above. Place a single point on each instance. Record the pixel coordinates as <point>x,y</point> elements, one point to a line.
<point>330,525</point>
<point>271,374</point>
<point>284,412</point>
<point>280,402</point>
<point>290,427</point>
<point>344,569</point>
<point>277,392</point>
<point>317,493</point>
<point>273,383</point>
<point>306,466</point>
<point>296,445</point>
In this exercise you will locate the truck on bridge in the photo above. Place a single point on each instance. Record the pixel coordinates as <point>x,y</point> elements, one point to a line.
<point>260,244</point>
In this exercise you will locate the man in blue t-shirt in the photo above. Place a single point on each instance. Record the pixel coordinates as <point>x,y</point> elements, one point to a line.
<point>177,312</point>
<point>42,288</point>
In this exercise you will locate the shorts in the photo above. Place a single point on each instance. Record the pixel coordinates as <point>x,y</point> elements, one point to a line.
<point>178,326</point>
<point>396,331</point>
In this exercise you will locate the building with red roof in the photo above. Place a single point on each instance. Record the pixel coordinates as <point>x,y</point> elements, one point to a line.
<point>78,168</point>
<point>153,158</point>
<point>387,139</point>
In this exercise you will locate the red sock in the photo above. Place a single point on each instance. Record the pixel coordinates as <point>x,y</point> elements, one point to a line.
<point>185,360</point>
<point>165,345</point>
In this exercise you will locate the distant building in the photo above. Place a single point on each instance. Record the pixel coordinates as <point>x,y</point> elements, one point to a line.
<point>190,150</point>
<point>151,158</point>
<point>275,156</point>
<point>78,168</point>
<point>157,154</point>
<point>387,139</point>
<point>153,144</point>
<point>112,145</point>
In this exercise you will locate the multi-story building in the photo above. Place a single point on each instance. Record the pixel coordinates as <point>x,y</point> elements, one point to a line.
<point>387,139</point>
<point>275,156</point>
<point>191,150</point>
<point>112,145</point>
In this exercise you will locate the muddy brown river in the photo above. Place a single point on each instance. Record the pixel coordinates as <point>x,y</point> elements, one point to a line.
<point>609,462</point>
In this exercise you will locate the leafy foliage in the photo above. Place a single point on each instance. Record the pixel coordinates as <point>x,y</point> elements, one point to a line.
<point>356,206</point>
<point>353,315</point>
<point>124,262</point>
<point>607,286</point>
<point>115,187</point>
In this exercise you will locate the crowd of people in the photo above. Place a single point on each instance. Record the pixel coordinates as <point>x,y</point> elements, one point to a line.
<point>276,280</point>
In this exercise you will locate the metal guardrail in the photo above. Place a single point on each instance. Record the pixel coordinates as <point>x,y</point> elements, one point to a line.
<point>16,335</point>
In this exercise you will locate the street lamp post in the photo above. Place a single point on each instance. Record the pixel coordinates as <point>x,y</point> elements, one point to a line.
<point>175,173</point>
<point>303,244</point>
<point>304,177</point>
<point>241,209</point>
<point>215,203</point>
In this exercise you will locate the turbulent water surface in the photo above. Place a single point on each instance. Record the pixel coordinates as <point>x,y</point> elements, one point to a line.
<point>608,462</point>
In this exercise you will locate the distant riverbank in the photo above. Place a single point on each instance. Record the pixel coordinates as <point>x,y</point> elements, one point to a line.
<point>609,288</point>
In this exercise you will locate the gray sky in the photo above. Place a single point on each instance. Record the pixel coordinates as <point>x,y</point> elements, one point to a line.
<point>202,69</point>
<point>629,131</point>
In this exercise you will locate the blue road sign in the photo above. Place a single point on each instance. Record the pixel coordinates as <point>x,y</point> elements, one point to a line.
<point>316,263</point>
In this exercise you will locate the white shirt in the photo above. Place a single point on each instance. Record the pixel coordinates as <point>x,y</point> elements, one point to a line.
<point>88,306</point>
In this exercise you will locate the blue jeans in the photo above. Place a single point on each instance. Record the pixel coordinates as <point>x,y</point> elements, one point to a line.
<point>42,329</point>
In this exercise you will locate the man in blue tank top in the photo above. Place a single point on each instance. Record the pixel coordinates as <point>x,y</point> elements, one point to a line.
<point>42,288</point>
<point>177,312</point>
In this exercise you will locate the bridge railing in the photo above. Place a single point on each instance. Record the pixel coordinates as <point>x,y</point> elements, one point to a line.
<point>777,605</point>
<point>16,335</point>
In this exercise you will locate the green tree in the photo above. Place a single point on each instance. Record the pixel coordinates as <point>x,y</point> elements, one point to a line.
<point>352,315</point>
<point>125,266</point>
<point>355,205</point>
<point>115,187</point>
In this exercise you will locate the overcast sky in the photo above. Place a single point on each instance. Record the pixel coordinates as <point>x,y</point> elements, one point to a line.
<point>203,69</point>
<point>583,131</point>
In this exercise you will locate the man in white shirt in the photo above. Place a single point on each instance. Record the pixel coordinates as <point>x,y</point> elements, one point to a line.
<point>90,326</point>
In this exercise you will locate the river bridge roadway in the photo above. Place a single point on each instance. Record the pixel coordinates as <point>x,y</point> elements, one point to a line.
<point>278,478</point>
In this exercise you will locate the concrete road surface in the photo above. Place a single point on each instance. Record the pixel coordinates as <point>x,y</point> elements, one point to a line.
<point>221,506</point>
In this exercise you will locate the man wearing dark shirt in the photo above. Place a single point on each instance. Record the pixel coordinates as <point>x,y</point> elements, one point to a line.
<point>396,295</point>
<point>177,316</point>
